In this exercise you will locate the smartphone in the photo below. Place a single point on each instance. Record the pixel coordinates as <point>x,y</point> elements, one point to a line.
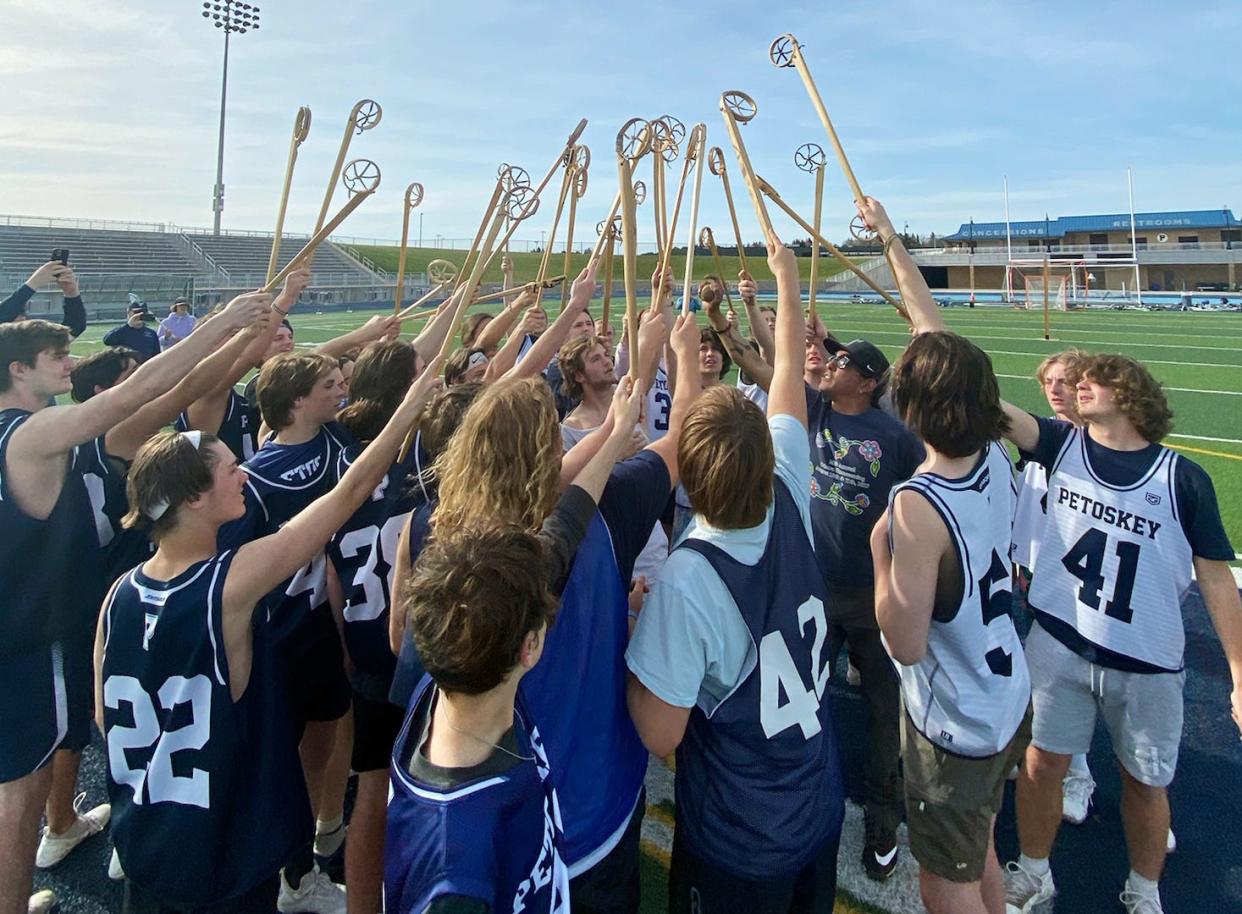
<point>61,254</point>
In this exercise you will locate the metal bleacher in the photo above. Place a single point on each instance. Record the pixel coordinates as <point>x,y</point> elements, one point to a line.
<point>159,261</point>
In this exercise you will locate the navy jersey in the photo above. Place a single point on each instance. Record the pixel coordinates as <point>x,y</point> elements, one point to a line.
<point>576,693</point>
<point>41,600</point>
<point>364,552</point>
<point>104,476</point>
<point>758,783</point>
<point>236,428</point>
<point>496,839</point>
<point>284,479</point>
<point>190,771</point>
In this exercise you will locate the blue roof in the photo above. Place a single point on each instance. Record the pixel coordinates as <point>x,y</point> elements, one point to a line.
<point>1061,226</point>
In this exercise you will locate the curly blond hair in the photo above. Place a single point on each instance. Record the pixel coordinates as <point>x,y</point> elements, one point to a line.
<point>1139,396</point>
<point>503,465</point>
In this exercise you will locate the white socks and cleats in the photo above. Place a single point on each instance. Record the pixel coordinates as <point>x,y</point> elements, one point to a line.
<point>1028,883</point>
<point>329,836</point>
<point>852,676</point>
<point>115,873</point>
<point>1170,844</point>
<point>41,902</point>
<point>317,894</point>
<point>55,848</point>
<point>1141,895</point>
<point>1076,792</point>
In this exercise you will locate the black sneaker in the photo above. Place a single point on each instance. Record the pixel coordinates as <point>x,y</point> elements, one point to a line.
<point>879,857</point>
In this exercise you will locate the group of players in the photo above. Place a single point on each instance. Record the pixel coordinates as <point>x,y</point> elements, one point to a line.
<point>494,587</point>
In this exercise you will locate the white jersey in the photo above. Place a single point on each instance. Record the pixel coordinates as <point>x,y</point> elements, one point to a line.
<point>971,690</point>
<point>658,406</point>
<point>754,393</point>
<point>1029,515</point>
<point>1117,561</point>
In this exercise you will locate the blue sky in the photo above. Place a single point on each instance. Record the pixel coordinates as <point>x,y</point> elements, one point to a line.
<point>109,110</point>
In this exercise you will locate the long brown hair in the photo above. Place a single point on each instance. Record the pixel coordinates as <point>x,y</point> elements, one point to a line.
<point>503,465</point>
<point>1139,396</point>
<point>382,375</point>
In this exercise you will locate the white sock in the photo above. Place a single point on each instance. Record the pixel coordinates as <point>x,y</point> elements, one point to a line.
<point>327,826</point>
<point>1141,885</point>
<point>1036,866</point>
<point>1078,765</point>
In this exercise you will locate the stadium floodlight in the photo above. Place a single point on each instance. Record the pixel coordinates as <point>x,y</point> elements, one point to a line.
<point>229,16</point>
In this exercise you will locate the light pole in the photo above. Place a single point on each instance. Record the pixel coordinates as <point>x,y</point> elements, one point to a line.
<point>420,230</point>
<point>229,16</point>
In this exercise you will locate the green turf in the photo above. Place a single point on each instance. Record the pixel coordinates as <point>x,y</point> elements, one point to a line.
<point>1195,355</point>
<point>526,265</point>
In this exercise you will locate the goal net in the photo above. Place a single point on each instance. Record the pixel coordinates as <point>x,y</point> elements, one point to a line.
<point>1034,289</point>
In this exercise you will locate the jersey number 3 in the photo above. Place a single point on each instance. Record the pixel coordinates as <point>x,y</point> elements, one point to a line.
<point>162,786</point>
<point>778,673</point>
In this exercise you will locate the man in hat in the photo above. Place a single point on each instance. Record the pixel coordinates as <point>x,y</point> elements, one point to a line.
<point>134,333</point>
<point>178,324</point>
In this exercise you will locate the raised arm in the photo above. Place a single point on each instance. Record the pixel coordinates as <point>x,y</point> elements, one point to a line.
<point>378,327</point>
<point>428,343</point>
<point>787,395</point>
<point>551,340</point>
<point>73,309</point>
<point>921,310</point>
<point>747,289</point>
<point>622,416</point>
<point>53,431</point>
<point>1023,429</point>
<point>264,563</point>
<point>499,326</point>
<point>506,356</point>
<point>746,359</point>
<point>684,343</point>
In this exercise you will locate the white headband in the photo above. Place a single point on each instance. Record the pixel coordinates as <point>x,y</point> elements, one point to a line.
<point>160,508</point>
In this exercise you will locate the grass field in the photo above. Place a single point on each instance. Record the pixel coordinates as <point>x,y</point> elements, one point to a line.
<point>526,265</point>
<point>1198,357</point>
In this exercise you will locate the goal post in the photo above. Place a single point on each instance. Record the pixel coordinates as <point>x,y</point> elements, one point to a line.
<point>1054,291</point>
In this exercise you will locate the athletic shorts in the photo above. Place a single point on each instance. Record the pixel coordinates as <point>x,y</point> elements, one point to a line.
<point>34,714</point>
<point>951,800</point>
<point>376,725</point>
<point>1141,711</point>
<point>314,665</point>
<point>259,900</point>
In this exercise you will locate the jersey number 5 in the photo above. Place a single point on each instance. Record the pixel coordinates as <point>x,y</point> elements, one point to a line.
<point>162,786</point>
<point>778,673</point>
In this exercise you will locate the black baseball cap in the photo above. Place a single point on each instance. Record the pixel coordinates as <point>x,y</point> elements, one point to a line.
<point>138,307</point>
<point>865,357</point>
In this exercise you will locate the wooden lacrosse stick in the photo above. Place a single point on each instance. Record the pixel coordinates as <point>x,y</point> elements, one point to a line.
<point>362,178</point>
<point>441,272</point>
<point>364,115</point>
<point>716,165</point>
<point>582,161</point>
<point>695,151</point>
<point>524,201</point>
<point>692,154</point>
<point>738,107</point>
<point>301,127</point>
<point>566,186</point>
<point>514,176</point>
<point>810,157</point>
<point>633,142</point>
<point>550,283</point>
<point>708,240</point>
<point>629,252</point>
<point>413,197</point>
<point>785,52</point>
<point>609,229</point>
<point>836,252</point>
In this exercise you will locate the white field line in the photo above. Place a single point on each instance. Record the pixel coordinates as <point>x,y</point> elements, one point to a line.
<point>1093,342</point>
<point>1206,438</point>
<point>1132,331</point>
<point>1040,355</point>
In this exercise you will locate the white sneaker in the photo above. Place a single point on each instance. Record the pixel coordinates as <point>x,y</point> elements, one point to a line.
<point>1024,890</point>
<point>317,894</point>
<point>55,848</point>
<point>852,676</point>
<point>1141,904</point>
<point>1076,793</point>
<point>115,873</point>
<point>1170,844</point>
<point>41,902</point>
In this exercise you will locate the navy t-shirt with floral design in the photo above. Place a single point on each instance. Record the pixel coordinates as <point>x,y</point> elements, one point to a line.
<point>855,461</point>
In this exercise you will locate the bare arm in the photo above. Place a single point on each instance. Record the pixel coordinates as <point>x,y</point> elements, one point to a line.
<point>746,359</point>
<point>921,310</point>
<point>506,358</point>
<point>1220,594</point>
<point>261,565</point>
<point>401,574</point>
<point>429,342</point>
<point>499,326</point>
<point>905,591</point>
<point>685,345</point>
<point>551,340</point>
<point>377,328</point>
<point>622,415</point>
<point>787,395</point>
<point>660,726</point>
<point>1023,429</point>
<point>759,332</point>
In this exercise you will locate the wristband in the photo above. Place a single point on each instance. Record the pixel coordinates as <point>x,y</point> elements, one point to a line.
<point>279,311</point>
<point>633,615</point>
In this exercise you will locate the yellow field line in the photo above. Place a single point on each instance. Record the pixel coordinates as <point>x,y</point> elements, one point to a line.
<point>1199,450</point>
